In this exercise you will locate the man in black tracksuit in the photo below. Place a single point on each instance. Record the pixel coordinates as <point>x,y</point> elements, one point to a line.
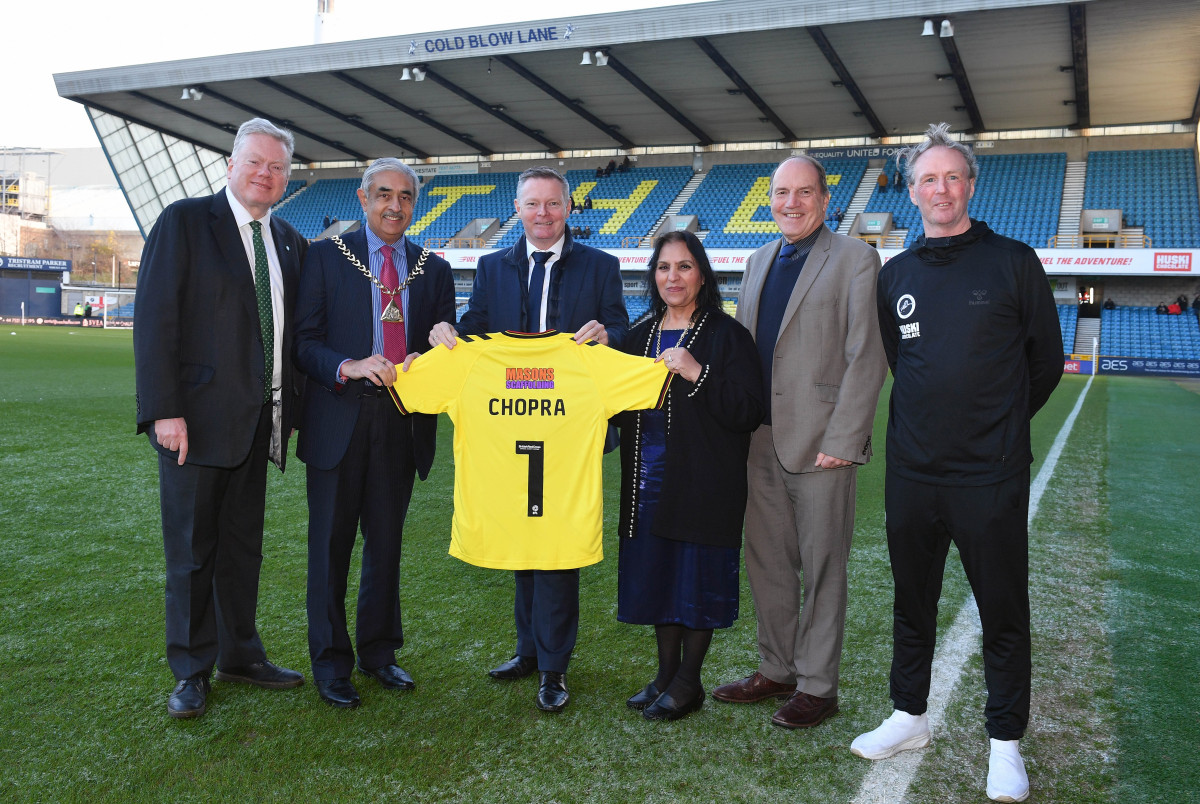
<point>972,337</point>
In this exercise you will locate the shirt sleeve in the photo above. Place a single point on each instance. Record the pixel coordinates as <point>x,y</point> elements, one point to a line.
<point>435,379</point>
<point>625,382</point>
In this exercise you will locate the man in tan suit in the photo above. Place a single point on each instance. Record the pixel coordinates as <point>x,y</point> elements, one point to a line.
<point>809,301</point>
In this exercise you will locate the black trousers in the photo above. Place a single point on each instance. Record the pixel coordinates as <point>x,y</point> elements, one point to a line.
<point>989,526</point>
<point>371,487</point>
<point>546,608</point>
<point>212,523</point>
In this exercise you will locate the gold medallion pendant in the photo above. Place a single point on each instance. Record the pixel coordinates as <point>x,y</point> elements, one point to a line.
<point>391,313</point>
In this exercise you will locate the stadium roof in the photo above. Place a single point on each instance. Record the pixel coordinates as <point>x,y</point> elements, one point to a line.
<point>735,71</point>
<point>757,74</point>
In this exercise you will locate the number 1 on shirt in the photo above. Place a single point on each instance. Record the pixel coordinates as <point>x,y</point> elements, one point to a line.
<point>537,469</point>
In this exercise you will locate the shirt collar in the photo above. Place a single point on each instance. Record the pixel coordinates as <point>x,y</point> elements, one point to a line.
<point>375,242</point>
<point>556,249</point>
<point>242,215</point>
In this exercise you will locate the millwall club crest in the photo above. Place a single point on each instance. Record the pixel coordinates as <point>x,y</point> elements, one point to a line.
<point>906,306</point>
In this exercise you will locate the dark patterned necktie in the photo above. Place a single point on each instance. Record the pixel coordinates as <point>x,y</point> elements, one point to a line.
<point>537,279</point>
<point>395,345</point>
<point>266,318</point>
<point>786,254</point>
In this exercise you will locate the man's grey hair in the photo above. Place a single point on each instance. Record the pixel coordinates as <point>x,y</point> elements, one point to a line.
<point>258,125</point>
<point>390,163</point>
<point>801,158</point>
<point>545,173</point>
<point>936,136</point>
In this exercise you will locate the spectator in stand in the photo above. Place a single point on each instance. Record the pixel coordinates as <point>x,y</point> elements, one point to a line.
<point>1182,301</point>
<point>1109,304</point>
<point>612,166</point>
<point>882,181</point>
<point>587,202</point>
<point>600,172</point>
<point>624,166</point>
<point>79,312</point>
<point>897,180</point>
<point>587,232</point>
<point>840,214</point>
<point>1161,309</point>
<point>87,309</point>
<point>1196,305</point>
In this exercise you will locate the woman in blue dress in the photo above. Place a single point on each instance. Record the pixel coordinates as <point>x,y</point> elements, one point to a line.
<point>683,474</point>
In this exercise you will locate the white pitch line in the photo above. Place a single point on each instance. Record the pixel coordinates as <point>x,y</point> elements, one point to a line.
<point>888,780</point>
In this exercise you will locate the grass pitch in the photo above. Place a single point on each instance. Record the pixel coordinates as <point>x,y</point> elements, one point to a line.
<point>83,678</point>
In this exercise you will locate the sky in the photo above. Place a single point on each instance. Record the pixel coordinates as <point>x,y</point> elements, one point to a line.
<point>57,36</point>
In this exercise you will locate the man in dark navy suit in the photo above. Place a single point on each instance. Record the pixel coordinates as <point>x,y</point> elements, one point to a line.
<point>216,393</point>
<point>545,281</point>
<point>365,302</point>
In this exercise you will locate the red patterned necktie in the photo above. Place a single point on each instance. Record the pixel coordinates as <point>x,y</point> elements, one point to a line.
<point>395,345</point>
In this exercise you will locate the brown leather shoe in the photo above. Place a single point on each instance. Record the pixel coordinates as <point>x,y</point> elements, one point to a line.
<point>752,688</point>
<point>803,711</point>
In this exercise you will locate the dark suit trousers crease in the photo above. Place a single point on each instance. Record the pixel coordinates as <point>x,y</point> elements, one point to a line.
<point>212,522</point>
<point>371,486</point>
<point>547,612</point>
<point>989,526</point>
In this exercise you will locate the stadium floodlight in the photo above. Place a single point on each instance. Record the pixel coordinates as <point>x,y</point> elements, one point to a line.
<point>947,29</point>
<point>406,75</point>
<point>928,29</point>
<point>587,58</point>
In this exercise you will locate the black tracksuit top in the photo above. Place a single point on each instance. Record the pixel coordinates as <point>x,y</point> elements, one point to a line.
<point>972,337</point>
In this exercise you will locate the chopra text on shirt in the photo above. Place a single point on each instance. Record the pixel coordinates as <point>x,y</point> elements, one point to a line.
<point>526,407</point>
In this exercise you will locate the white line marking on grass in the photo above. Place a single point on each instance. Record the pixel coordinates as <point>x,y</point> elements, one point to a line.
<point>889,779</point>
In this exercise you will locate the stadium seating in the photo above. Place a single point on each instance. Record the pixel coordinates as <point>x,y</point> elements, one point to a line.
<point>333,197</point>
<point>731,203</point>
<point>1068,317</point>
<point>1154,189</point>
<point>448,203</point>
<point>1141,332</point>
<point>624,204</point>
<point>1018,195</point>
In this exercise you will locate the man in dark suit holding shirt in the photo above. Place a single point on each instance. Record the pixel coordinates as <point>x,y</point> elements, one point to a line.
<point>216,394</point>
<point>365,302</point>
<point>545,281</point>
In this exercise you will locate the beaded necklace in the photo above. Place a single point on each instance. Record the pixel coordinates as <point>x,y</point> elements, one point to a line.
<point>655,337</point>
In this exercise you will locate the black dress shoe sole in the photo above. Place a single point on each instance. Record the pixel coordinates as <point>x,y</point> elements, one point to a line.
<point>662,714</point>
<point>552,707</point>
<point>511,674</point>
<point>341,704</point>
<point>388,683</point>
<point>257,682</point>
<point>184,714</point>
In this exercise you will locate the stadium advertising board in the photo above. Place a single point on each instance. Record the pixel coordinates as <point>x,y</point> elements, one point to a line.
<point>1140,367</point>
<point>1078,364</point>
<point>33,264</point>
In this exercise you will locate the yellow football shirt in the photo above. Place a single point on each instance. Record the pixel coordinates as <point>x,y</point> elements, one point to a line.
<point>530,412</point>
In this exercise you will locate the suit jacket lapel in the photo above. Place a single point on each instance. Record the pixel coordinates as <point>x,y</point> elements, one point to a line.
<point>752,284</point>
<point>416,293</point>
<point>360,289</point>
<point>233,253</point>
<point>812,268</point>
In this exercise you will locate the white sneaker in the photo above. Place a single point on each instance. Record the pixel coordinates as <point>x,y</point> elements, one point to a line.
<point>900,732</point>
<point>1007,780</point>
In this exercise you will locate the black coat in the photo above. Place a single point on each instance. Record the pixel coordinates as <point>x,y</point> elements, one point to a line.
<point>196,342</point>
<point>703,497</point>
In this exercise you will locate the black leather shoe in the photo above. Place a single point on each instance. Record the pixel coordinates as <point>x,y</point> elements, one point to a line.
<point>667,708</point>
<point>516,667</point>
<point>647,696</point>
<point>188,699</point>
<point>338,692</point>
<point>390,676</point>
<point>552,692</point>
<point>262,674</point>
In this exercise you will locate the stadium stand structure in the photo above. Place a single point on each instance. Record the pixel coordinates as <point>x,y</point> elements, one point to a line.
<point>448,204</point>
<point>1155,190</point>
<point>1141,332</point>
<point>624,205</point>
<point>731,203</point>
<point>1018,195</point>
<point>1068,317</point>
<point>333,197</point>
